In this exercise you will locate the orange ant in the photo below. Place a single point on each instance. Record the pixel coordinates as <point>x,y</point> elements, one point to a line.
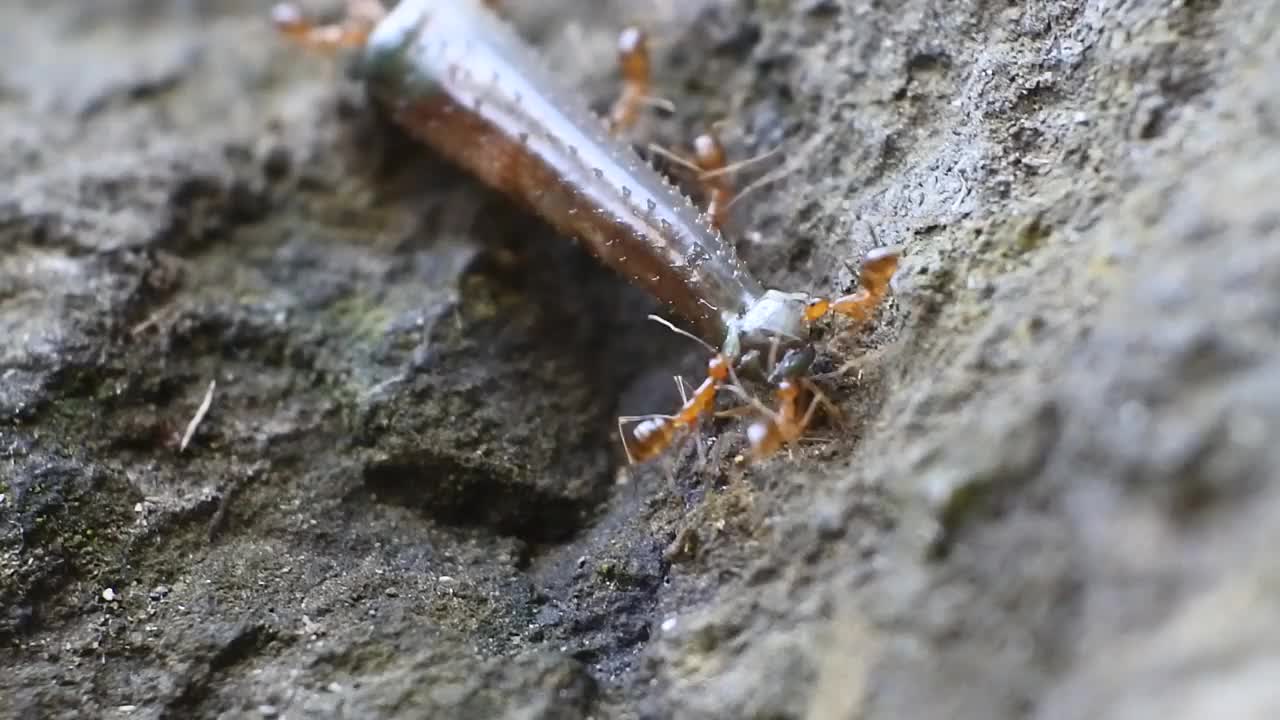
<point>653,434</point>
<point>786,425</point>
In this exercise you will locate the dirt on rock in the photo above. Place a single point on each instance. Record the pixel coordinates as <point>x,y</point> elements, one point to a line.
<point>296,420</point>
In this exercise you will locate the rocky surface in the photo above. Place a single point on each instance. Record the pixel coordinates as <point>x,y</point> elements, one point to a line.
<point>1051,496</point>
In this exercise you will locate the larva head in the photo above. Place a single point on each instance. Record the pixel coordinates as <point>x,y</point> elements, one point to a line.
<point>775,322</point>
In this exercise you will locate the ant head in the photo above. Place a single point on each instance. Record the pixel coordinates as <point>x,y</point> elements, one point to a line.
<point>794,364</point>
<point>718,367</point>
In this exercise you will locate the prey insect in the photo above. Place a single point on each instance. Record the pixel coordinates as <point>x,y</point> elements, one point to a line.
<point>456,77</point>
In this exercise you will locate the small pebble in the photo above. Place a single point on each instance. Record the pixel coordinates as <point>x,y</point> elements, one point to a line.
<point>830,523</point>
<point>109,595</point>
<point>277,162</point>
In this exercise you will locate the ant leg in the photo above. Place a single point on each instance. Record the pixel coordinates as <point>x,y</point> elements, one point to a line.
<point>669,470</point>
<point>765,435</point>
<point>684,394</point>
<point>850,364</point>
<point>735,386</point>
<point>795,432</point>
<point>736,412</point>
<point>352,32</point>
<point>702,450</point>
<point>710,157</point>
<point>633,57</point>
<point>684,400</point>
<point>774,344</point>
<point>622,436</point>
<point>819,398</point>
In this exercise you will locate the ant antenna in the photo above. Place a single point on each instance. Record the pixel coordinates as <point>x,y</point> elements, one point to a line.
<point>678,331</point>
<point>683,162</point>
